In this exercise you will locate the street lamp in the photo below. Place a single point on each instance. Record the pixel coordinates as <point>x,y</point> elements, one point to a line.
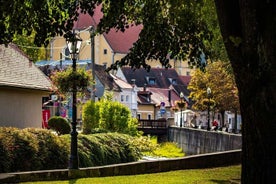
<point>74,43</point>
<point>181,105</point>
<point>92,39</point>
<point>208,116</point>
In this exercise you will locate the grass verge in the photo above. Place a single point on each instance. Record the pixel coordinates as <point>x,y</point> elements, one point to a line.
<point>219,175</point>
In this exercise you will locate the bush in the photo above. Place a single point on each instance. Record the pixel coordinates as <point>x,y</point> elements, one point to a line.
<point>31,149</point>
<point>106,148</point>
<point>108,115</point>
<point>90,117</point>
<point>39,149</point>
<point>59,124</point>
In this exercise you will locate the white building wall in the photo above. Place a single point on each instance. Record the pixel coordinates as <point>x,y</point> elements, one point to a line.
<point>21,108</point>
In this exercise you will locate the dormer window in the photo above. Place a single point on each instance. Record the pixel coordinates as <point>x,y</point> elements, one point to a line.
<point>173,81</point>
<point>151,80</point>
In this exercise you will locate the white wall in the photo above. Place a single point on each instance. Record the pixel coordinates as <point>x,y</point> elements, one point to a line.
<point>21,108</point>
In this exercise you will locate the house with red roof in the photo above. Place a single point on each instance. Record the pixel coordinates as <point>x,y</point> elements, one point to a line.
<point>109,47</point>
<point>22,87</point>
<point>159,89</point>
<point>114,45</point>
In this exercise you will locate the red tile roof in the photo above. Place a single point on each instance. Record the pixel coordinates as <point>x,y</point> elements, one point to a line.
<point>85,20</point>
<point>162,95</point>
<point>120,42</point>
<point>185,79</point>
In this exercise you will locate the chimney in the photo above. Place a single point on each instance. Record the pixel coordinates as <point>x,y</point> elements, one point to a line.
<point>133,82</point>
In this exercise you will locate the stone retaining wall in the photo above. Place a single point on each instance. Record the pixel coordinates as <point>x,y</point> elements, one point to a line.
<point>198,141</point>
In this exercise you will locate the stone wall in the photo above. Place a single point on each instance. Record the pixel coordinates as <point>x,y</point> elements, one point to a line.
<point>199,141</point>
<point>141,167</point>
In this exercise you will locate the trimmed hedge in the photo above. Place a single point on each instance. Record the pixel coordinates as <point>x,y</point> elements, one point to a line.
<point>40,149</point>
<point>31,149</point>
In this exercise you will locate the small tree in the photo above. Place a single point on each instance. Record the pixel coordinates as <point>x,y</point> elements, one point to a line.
<point>220,80</point>
<point>90,116</point>
<point>108,115</point>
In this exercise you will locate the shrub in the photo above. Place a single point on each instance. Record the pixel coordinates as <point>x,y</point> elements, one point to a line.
<point>31,149</point>
<point>40,149</point>
<point>106,148</point>
<point>108,115</point>
<point>90,117</point>
<point>59,124</point>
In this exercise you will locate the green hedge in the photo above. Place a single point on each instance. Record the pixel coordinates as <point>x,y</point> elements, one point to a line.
<point>31,149</point>
<point>39,149</point>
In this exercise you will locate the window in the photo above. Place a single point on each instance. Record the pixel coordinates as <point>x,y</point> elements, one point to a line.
<point>151,81</point>
<point>188,73</point>
<point>139,116</point>
<point>149,116</point>
<point>105,51</point>
<point>174,81</point>
<point>127,97</point>
<point>122,98</point>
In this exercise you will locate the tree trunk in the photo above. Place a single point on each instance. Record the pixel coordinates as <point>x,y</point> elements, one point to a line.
<point>247,28</point>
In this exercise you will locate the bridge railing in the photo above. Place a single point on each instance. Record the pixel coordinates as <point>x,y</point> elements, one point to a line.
<point>149,123</point>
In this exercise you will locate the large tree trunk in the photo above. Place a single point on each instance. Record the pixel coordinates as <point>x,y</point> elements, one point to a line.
<point>248,29</point>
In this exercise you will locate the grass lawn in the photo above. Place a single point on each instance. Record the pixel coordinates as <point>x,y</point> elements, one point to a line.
<point>220,175</point>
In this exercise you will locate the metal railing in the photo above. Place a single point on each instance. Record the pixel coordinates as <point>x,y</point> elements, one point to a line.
<point>146,123</point>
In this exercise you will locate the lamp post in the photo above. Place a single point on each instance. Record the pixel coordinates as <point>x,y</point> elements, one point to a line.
<point>181,105</point>
<point>208,110</point>
<point>92,39</point>
<point>74,43</point>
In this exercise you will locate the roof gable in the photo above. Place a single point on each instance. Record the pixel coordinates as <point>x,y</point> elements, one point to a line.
<point>105,78</point>
<point>16,70</point>
<point>120,42</point>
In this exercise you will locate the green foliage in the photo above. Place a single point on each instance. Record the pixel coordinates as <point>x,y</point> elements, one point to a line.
<point>224,95</point>
<point>105,148</point>
<point>40,149</point>
<point>145,144</point>
<point>30,149</point>
<point>46,18</point>
<point>168,150</point>
<point>26,44</point>
<point>90,116</point>
<point>108,115</point>
<point>149,147</point>
<point>64,80</point>
<point>59,124</point>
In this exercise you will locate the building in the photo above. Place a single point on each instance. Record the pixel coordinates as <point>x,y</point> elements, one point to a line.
<point>108,47</point>
<point>159,89</point>
<point>22,87</point>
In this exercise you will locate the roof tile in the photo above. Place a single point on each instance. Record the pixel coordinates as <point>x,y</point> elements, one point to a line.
<point>16,70</point>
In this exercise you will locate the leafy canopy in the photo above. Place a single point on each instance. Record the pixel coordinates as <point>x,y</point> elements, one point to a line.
<point>224,93</point>
<point>171,29</point>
